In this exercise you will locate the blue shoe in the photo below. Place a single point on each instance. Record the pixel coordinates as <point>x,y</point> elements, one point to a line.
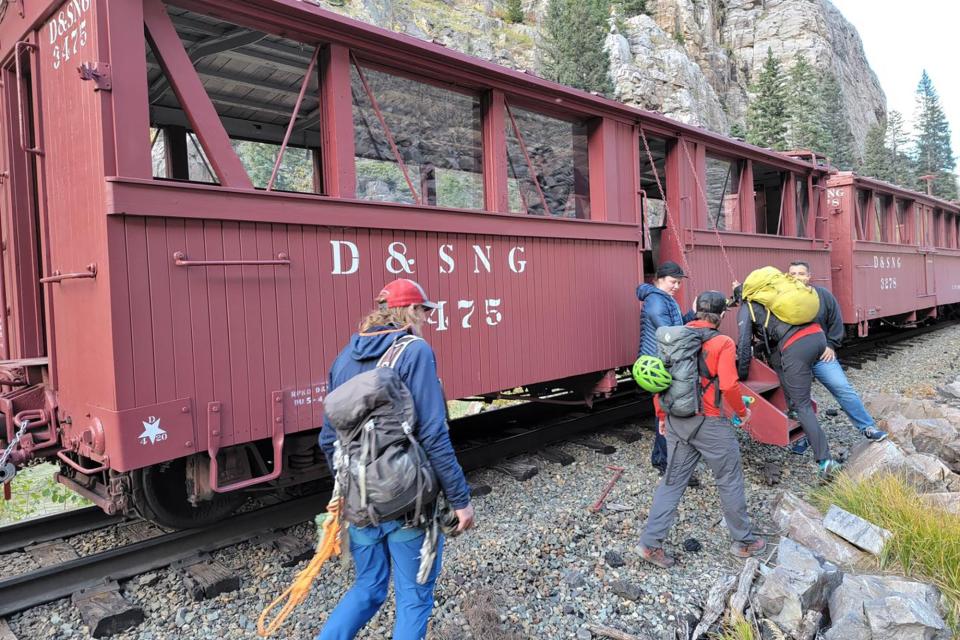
<point>828,468</point>
<point>800,446</point>
<point>872,433</point>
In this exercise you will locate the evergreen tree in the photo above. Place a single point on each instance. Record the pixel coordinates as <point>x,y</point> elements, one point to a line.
<point>876,155</point>
<point>514,11</point>
<point>572,49</point>
<point>839,140</point>
<point>737,131</point>
<point>767,113</point>
<point>902,170</point>
<point>805,128</point>
<point>934,154</point>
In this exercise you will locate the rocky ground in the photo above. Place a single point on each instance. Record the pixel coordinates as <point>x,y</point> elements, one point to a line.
<point>539,564</point>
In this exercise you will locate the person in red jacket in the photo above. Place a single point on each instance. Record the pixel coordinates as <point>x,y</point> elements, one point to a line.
<point>713,440</point>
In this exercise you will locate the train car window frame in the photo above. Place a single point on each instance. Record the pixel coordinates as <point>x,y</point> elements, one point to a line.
<point>727,202</point>
<point>773,179</point>
<point>429,184</point>
<point>534,200</point>
<point>802,204</point>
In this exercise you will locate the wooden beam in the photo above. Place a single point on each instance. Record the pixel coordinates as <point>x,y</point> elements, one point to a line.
<point>186,84</point>
<point>336,103</point>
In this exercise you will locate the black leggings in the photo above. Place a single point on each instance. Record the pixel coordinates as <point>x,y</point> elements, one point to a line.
<point>796,378</point>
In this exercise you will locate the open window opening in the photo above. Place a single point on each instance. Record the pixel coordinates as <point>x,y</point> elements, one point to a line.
<point>547,165</point>
<point>768,183</point>
<point>253,80</point>
<point>723,198</point>
<point>862,219</point>
<point>900,229</point>
<point>650,172</point>
<point>415,142</point>
<point>881,205</point>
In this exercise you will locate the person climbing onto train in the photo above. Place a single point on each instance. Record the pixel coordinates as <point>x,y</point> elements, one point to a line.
<point>660,309</point>
<point>792,350</point>
<point>393,545</point>
<point>827,369</point>
<point>704,433</point>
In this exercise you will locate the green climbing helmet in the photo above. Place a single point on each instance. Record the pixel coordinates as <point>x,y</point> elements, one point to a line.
<point>651,374</point>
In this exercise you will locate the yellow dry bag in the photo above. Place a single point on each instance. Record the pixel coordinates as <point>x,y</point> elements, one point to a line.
<point>787,298</point>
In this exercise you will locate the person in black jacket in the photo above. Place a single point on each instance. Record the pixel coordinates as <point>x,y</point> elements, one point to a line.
<point>792,351</point>
<point>827,369</point>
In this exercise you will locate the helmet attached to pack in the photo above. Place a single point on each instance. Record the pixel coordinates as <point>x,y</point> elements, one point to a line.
<point>651,374</point>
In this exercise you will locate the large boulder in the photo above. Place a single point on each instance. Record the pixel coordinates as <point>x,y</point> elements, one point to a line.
<point>948,501</point>
<point>804,524</point>
<point>926,472</point>
<point>872,607</point>
<point>855,530</point>
<point>800,582</point>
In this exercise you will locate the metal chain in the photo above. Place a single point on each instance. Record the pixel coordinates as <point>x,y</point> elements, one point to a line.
<point>13,443</point>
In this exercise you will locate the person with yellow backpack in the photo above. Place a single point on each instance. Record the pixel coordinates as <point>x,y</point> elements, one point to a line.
<point>778,319</point>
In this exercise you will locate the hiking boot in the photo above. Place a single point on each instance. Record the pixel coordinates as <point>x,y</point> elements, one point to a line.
<point>828,468</point>
<point>872,433</point>
<point>694,481</point>
<point>792,415</point>
<point>800,446</point>
<point>745,550</point>
<point>661,469</point>
<point>656,556</point>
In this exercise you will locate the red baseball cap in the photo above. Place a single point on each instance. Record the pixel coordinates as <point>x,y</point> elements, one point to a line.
<point>403,293</point>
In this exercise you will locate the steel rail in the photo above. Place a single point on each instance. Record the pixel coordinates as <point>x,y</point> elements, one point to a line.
<point>15,537</point>
<point>59,581</point>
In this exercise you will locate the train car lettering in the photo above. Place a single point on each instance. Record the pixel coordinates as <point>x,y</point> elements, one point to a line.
<point>834,196</point>
<point>480,256</point>
<point>152,431</point>
<point>337,245</point>
<point>438,317</point>
<point>398,261</point>
<point>887,262</point>
<point>469,305</point>
<point>67,31</point>
<point>309,395</point>
<point>888,283</point>
<point>448,264</point>
<point>517,266</point>
<point>493,316</point>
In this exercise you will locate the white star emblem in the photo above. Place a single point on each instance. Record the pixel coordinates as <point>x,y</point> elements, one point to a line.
<point>152,431</point>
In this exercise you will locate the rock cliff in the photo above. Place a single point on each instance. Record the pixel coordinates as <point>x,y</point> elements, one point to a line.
<point>692,60</point>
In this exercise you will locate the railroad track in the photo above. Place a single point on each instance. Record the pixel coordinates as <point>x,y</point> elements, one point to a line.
<point>60,525</point>
<point>50,583</point>
<point>884,344</point>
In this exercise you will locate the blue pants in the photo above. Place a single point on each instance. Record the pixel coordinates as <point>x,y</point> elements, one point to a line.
<point>373,549</point>
<point>658,456</point>
<point>831,375</point>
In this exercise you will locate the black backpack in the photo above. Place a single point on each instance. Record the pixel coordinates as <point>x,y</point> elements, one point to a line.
<point>681,349</point>
<point>383,472</point>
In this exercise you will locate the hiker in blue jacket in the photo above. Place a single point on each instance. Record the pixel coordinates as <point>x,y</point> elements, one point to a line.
<point>660,309</point>
<point>402,309</point>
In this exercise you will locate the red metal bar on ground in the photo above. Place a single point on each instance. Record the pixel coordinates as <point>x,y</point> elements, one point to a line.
<point>617,472</point>
<point>293,117</point>
<point>526,156</point>
<point>386,129</point>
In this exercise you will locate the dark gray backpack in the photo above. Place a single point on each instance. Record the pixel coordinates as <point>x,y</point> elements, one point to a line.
<point>681,349</point>
<point>382,470</point>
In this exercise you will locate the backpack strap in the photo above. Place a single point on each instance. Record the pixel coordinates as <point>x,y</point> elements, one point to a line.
<point>393,353</point>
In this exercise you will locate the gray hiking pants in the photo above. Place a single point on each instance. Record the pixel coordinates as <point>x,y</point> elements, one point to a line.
<point>796,378</point>
<point>717,444</point>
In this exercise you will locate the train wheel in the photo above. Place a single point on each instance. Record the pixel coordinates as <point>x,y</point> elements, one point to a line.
<point>160,495</point>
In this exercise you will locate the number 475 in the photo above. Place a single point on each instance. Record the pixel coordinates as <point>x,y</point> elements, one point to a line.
<point>466,308</point>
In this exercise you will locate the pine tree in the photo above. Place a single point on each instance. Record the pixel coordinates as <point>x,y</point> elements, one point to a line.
<point>738,131</point>
<point>839,141</point>
<point>572,49</point>
<point>934,154</point>
<point>805,108</point>
<point>514,11</point>
<point>630,8</point>
<point>767,113</point>
<point>876,155</point>
<point>902,170</point>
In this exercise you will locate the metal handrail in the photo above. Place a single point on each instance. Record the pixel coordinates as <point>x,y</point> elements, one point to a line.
<point>180,259</point>
<point>56,277</point>
<point>19,74</point>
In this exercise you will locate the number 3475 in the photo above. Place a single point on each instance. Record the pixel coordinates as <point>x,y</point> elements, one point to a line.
<point>888,283</point>
<point>68,45</point>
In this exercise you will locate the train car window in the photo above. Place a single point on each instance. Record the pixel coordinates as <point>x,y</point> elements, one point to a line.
<point>547,164</point>
<point>253,80</point>
<point>723,200</point>
<point>650,173</point>
<point>862,219</point>
<point>879,218</point>
<point>768,198</point>
<point>901,231</point>
<point>937,228</point>
<point>803,206</point>
<point>435,132</point>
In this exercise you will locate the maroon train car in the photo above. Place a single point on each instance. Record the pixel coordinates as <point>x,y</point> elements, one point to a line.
<point>201,199</point>
<point>896,253</point>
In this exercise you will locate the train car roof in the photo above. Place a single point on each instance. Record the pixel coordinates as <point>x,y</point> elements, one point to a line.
<point>850,177</point>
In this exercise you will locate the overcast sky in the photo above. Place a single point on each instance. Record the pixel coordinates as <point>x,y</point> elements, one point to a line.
<point>901,39</point>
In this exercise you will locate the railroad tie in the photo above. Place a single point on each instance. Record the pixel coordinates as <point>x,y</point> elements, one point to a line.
<point>205,580</point>
<point>556,456</point>
<point>596,445</point>
<point>105,611</point>
<point>5,632</point>
<point>292,550</point>
<point>626,434</point>
<point>50,554</point>
<point>519,469</point>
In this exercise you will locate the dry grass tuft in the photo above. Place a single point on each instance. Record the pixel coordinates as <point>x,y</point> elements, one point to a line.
<point>482,612</point>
